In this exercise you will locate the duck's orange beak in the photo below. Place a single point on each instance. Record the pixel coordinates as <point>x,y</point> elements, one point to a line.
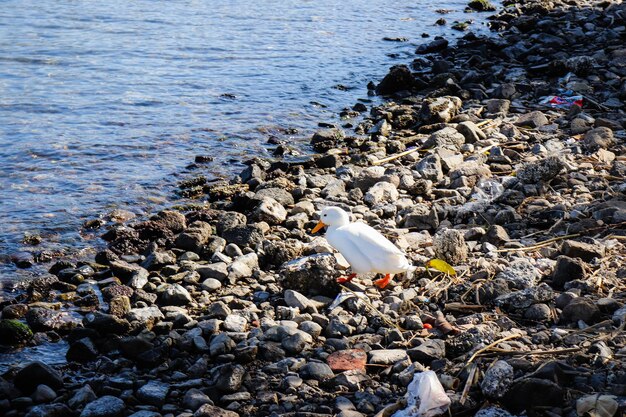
<point>317,227</point>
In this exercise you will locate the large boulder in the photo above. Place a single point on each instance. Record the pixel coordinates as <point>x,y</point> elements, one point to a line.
<point>34,373</point>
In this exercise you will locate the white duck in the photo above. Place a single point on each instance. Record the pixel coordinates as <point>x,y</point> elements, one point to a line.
<point>365,249</point>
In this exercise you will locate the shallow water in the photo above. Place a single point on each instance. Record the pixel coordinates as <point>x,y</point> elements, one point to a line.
<point>102,103</point>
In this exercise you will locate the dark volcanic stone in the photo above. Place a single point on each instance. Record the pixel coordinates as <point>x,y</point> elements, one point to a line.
<point>584,251</point>
<point>399,78</point>
<point>35,373</point>
<point>154,393</point>
<point>107,406</point>
<point>580,309</point>
<point>244,236</point>
<point>530,393</point>
<point>567,269</point>
<point>230,378</point>
<point>49,410</point>
<point>82,350</point>
<point>106,323</point>
<point>326,139</point>
<point>533,119</point>
<point>435,46</point>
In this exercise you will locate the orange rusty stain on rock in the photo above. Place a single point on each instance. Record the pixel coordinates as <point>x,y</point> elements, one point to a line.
<point>347,360</point>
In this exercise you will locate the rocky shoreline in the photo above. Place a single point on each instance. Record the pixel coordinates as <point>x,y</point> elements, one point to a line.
<point>230,307</point>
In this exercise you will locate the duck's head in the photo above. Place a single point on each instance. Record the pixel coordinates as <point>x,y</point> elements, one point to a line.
<point>332,216</point>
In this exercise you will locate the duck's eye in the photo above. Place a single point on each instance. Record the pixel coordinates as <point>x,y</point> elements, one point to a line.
<point>325,215</point>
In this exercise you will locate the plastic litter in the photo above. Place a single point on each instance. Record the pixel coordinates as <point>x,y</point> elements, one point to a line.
<point>344,296</point>
<point>596,405</point>
<point>485,192</point>
<point>562,102</point>
<point>425,397</point>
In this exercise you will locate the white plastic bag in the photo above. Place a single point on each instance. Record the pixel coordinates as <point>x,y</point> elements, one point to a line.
<point>425,397</point>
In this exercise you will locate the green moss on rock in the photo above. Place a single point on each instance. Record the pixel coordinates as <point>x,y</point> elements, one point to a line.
<point>482,5</point>
<point>14,332</point>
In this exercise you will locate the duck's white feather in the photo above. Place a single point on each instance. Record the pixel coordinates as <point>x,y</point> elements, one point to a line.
<point>367,250</point>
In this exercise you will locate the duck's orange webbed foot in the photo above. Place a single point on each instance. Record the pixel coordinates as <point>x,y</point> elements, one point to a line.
<point>383,282</point>
<point>343,280</point>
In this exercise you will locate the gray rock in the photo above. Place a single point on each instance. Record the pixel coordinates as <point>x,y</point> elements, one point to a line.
<point>399,78</point>
<point>498,107</point>
<point>81,397</point>
<point>542,170</point>
<point>598,138</point>
<point>428,351</point>
<point>208,410</point>
<point>107,406</point>
<point>150,314</point>
<point>194,237</point>
<point>281,195</point>
<point>493,412</point>
<point>381,192</point>
<point>533,119</point>
<point>174,295</point>
<point>296,343</point>
<point>43,394</point>
<point>521,300</point>
<point>47,410</point>
<point>429,168</point>
<point>157,260</point>
<point>440,109</point>
<point>420,216</point>
<point>585,251</point>
<point>446,137</point>
<point>496,235</point>
<point>145,413</point>
<point>311,328</point>
<point>44,319</point>
<point>387,356</point>
<point>311,275</point>
<point>269,211</point>
<point>326,139</point>
<point>235,323</point>
<point>334,188</point>
<point>220,344</point>
<point>194,399</point>
<point>450,246</point>
<point>538,312</point>
<point>299,301</point>
<point>368,177</point>
<point>34,373</point>
<point>139,279</point>
<point>230,378</point>
<point>580,309</point>
<point>153,393</point>
<point>564,299</point>
<point>520,274</point>
<point>218,270</point>
<point>471,132</point>
<point>228,220</point>
<point>211,284</point>
<point>567,269</point>
<point>619,315</point>
<point>277,252</point>
<point>82,350</point>
<point>316,370</point>
<point>244,236</point>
